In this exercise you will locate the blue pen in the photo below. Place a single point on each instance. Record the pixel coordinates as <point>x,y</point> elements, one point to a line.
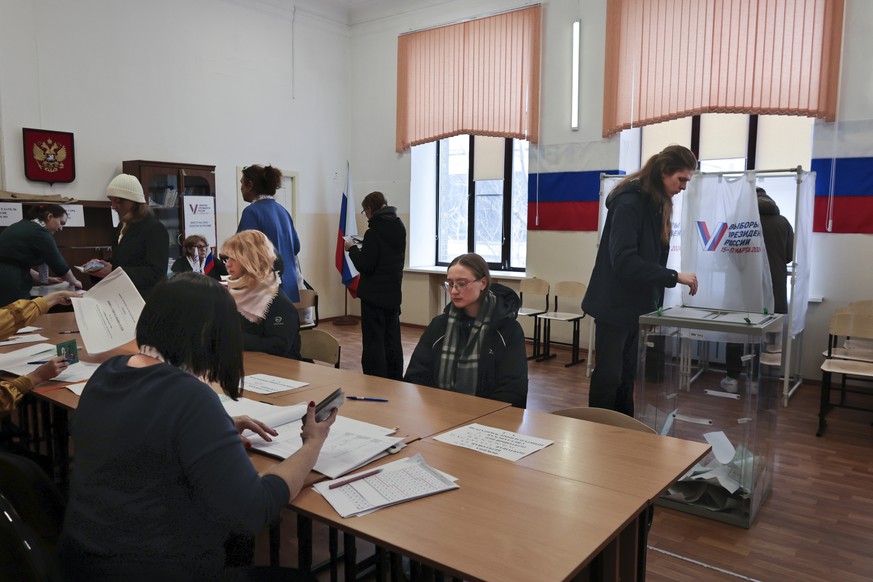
<point>367,399</point>
<point>40,362</point>
<point>73,331</point>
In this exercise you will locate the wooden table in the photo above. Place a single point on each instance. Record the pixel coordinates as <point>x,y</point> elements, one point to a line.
<point>504,523</point>
<point>577,505</point>
<point>633,462</point>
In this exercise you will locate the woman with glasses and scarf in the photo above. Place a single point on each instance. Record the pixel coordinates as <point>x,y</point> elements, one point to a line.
<point>198,258</point>
<point>269,320</point>
<point>476,346</point>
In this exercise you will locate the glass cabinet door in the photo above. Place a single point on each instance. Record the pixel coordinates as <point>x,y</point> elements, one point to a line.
<point>162,192</point>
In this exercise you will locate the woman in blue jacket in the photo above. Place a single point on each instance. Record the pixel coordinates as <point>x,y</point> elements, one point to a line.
<point>476,346</point>
<point>269,320</point>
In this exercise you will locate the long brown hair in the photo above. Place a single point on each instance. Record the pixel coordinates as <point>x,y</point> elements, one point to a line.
<point>650,177</point>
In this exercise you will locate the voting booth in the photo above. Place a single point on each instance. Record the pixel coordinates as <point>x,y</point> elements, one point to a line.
<point>678,393</point>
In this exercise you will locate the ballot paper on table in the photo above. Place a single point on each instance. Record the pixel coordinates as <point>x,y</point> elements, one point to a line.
<point>350,444</point>
<point>23,339</point>
<point>29,329</point>
<point>17,362</point>
<point>273,416</point>
<point>494,441</point>
<point>396,482</point>
<point>108,312</point>
<point>267,384</point>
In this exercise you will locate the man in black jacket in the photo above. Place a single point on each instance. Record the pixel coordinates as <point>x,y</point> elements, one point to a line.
<point>379,259</point>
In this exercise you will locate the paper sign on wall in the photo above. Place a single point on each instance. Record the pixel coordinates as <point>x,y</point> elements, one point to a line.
<point>10,213</point>
<point>75,215</point>
<point>200,217</point>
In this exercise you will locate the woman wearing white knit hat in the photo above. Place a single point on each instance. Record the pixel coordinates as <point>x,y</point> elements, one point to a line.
<point>141,245</point>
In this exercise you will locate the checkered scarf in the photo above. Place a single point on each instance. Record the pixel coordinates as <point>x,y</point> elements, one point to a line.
<point>459,365</point>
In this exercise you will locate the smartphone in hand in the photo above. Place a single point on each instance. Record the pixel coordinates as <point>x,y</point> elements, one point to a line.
<point>334,400</point>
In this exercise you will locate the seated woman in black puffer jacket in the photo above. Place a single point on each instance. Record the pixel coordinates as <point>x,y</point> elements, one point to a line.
<point>476,346</point>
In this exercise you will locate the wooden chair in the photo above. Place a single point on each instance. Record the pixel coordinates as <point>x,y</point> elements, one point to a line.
<point>534,288</point>
<point>308,298</point>
<point>320,346</point>
<point>569,293</point>
<point>606,416</point>
<point>846,326</point>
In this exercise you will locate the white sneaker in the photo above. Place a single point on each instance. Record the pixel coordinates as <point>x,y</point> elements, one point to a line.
<point>729,384</point>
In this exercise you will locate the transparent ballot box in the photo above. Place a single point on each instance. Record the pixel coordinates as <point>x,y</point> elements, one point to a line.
<point>683,357</point>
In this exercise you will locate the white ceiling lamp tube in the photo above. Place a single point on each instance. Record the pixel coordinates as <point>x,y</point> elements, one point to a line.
<point>574,77</point>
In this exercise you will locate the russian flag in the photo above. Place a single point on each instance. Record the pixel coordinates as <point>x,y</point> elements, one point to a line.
<point>564,200</point>
<point>851,181</point>
<point>208,264</point>
<point>347,227</point>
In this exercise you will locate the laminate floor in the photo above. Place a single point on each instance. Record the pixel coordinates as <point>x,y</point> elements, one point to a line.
<point>817,523</point>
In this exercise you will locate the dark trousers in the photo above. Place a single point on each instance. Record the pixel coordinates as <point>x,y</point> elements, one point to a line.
<point>612,382</point>
<point>734,359</point>
<point>382,353</point>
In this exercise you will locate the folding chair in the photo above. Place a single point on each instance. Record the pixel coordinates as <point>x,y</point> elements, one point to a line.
<point>848,326</point>
<point>534,288</point>
<point>570,293</point>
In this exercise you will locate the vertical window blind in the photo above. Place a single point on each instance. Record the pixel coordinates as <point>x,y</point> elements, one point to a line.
<point>667,59</point>
<point>477,77</point>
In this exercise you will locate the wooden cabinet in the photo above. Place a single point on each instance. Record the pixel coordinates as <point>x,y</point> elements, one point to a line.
<point>165,184</point>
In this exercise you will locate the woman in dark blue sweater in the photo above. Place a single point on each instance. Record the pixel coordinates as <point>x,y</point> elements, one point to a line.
<point>161,475</point>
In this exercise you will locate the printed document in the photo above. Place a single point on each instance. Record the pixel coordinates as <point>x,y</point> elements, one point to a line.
<point>494,441</point>
<point>21,362</point>
<point>266,384</point>
<point>108,312</point>
<point>350,444</point>
<point>394,483</point>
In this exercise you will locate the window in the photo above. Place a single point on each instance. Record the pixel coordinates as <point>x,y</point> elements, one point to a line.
<point>486,216</point>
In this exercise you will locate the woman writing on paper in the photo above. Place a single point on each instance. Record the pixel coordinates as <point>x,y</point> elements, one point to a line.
<point>197,257</point>
<point>161,473</point>
<point>29,245</point>
<point>12,318</point>
<point>476,346</point>
<point>270,321</point>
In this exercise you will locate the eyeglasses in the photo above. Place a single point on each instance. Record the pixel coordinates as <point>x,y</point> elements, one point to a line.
<point>460,285</point>
<point>224,258</point>
<point>201,246</point>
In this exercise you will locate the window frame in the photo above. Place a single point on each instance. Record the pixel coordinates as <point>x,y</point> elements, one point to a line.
<point>506,243</point>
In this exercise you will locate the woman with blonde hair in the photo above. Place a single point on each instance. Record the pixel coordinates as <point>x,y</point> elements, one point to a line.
<point>269,320</point>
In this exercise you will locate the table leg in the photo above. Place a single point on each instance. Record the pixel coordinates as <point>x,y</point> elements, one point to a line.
<point>304,543</point>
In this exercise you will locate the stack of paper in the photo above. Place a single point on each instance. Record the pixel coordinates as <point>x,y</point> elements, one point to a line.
<point>393,483</point>
<point>494,441</point>
<point>350,444</point>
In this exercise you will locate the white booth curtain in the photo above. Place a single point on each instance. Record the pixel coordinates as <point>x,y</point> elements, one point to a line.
<point>704,217</point>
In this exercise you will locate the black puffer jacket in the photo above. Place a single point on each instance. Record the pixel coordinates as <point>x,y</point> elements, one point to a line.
<point>629,274</point>
<point>502,363</point>
<point>380,259</point>
<point>779,242</point>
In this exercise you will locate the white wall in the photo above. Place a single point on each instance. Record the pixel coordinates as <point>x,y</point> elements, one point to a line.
<point>223,82</point>
<point>375,26</point>
<point>307,85</point>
